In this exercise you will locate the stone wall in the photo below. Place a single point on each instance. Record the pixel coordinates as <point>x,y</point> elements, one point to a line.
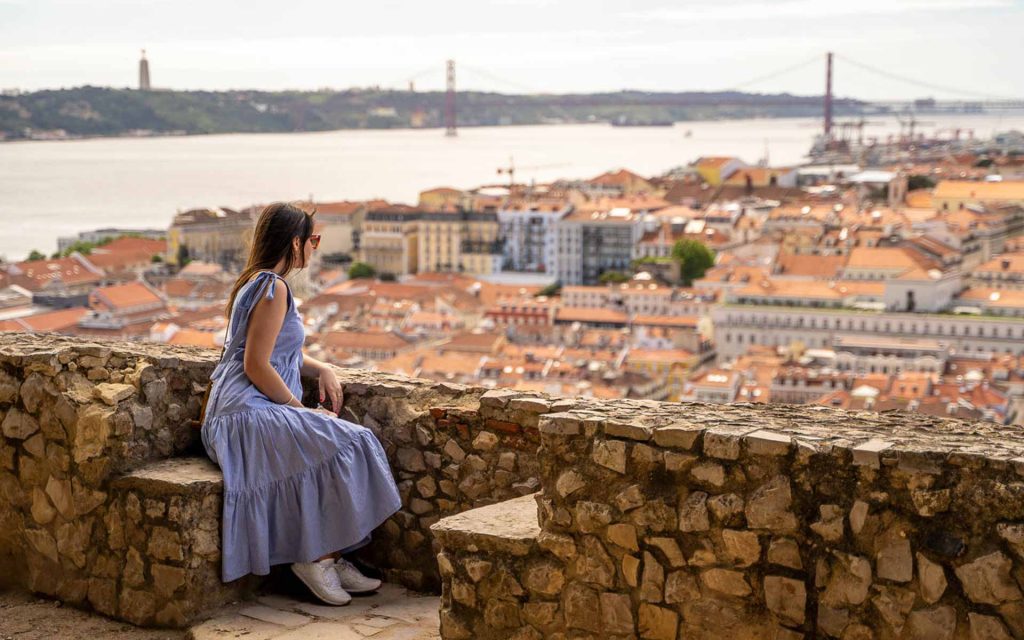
<point>77,417</point>
<point>697,521</point>
<point>107,500</point>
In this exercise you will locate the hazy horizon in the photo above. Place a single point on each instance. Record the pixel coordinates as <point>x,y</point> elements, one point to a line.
<point>521,46</point>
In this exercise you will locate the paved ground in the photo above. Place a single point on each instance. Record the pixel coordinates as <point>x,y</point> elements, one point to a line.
<point>391,614</point>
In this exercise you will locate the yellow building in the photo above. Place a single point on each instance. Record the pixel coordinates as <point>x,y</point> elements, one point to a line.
<point>389,241</point>
<point>950,195</point>
<point>461,241</point>
<point>715,169</point>
<point>339,225</point>
<point>221,236</point>
<point>441,199</point>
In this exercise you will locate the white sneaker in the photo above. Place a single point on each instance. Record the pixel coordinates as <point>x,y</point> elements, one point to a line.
<point>322,580</point>
<point>352,580</point>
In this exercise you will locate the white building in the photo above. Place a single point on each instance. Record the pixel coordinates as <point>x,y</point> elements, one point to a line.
<point>528,230</point>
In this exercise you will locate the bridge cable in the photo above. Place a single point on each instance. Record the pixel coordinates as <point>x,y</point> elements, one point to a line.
<point>774,74</point>
<point>919,83</point>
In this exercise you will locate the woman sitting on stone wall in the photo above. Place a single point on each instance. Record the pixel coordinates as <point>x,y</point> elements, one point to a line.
<point>302,486</point>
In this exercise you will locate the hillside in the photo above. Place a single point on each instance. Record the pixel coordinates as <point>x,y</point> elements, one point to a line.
<point>96,111</point>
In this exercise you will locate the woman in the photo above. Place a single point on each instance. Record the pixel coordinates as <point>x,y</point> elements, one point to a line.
<point>301,485</point>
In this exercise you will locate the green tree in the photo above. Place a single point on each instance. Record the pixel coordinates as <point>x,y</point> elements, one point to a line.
<point>361,270</point>
<point>35,254</point>
<point>156,258</point>
<point>613,277</point>
<point>694,259</point>
<point>919,182</point>
<point>551,290</point>
<point>183,257</point>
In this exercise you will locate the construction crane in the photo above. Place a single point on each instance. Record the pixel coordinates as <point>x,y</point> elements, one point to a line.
<point>511,169</point>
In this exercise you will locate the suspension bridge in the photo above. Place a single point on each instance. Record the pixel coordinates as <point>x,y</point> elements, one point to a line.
<point>965,101</point>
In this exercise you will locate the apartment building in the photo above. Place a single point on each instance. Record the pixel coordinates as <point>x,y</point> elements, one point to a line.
<point>592,242</point>
<point>390,239</point>
<point>527,227</point>
<point>459,241</point>
<point>217,235</point>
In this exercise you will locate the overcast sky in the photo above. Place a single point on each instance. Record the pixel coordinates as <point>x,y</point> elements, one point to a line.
<point>515,46</point>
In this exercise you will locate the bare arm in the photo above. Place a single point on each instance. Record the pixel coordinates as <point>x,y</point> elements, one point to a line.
<point>264,325</point>
<point>329,386</point>
<point>311,367</point>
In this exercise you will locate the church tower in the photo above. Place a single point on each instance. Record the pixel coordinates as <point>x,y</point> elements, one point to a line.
<point>143,73</point>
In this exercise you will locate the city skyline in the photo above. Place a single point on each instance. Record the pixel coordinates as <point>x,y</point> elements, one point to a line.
<point>520,46</point>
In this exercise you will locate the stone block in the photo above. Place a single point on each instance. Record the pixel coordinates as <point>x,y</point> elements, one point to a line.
<point>617,614</point>
<point>768,443</point>
<point>610,454</point>
<point>652,584</point>
<point>936,623</point>
<point>544,578</point>
<point>657,623</point>
<point>627,430</point>
<point>724,446</point>
<point>731,583</point>
<point>623,535</point>
<point>112,393</point>
<point>677,437</point>
<point>681,587</point>
<point>931,578</point>
<point>987,580</point>
<point>786,598</point>
<point>849,582</point>
<point>580,604</point>
<point>858,515</point>
<point>894,560</point>
<point>893,604</point>
<point>868,454</point>
<point>709,473</point>
<point>786,553</point>
<point>830,523</point>
<point>569,482</point>
<point>984,627</point>
<point>693,513</point>
<point>670,548</point>
<point>18,425</point>
<point>742,548</point>
<point>769,506</point>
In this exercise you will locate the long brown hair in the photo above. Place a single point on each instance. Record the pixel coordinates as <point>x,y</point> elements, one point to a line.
<point>278,223</point>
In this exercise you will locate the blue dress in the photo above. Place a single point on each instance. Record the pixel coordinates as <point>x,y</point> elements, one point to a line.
<point>297,484</point>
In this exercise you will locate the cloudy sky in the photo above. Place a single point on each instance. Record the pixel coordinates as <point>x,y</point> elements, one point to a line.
<point>973,46</point>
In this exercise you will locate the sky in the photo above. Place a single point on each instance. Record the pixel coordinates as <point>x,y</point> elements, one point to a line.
<point>955,48</point>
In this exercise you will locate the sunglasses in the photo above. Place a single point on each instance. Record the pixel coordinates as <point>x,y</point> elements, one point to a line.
<point>315,240</point>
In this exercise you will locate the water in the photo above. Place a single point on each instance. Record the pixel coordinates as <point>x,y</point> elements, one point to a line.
<point>48,189</point>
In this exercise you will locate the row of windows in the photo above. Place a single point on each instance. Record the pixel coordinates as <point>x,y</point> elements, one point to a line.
<point>776,340</point>
<point>876,326</point>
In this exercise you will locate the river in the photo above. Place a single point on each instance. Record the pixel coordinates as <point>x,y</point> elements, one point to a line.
<point>49,189</point>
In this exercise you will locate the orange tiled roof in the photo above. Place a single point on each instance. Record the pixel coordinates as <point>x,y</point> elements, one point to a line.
<point>791,264</point>
<point>122,296</point>
<point>1014,264</point>
<point>584,314</point>
<point>966,189</point>
<point>36,274</point>
<point>48,321</point>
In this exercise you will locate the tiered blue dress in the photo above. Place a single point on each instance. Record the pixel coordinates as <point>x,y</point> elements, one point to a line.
<point>297,484</point>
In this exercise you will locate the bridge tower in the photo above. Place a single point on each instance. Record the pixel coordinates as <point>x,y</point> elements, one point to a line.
<point>828,97</point>
<point>449,102</point>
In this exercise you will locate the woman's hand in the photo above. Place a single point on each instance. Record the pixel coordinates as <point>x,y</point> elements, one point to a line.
<point>331,388</point>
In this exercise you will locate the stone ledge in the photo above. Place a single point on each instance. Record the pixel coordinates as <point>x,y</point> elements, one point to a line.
<point>176,476</point>
<point>507,527</point>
